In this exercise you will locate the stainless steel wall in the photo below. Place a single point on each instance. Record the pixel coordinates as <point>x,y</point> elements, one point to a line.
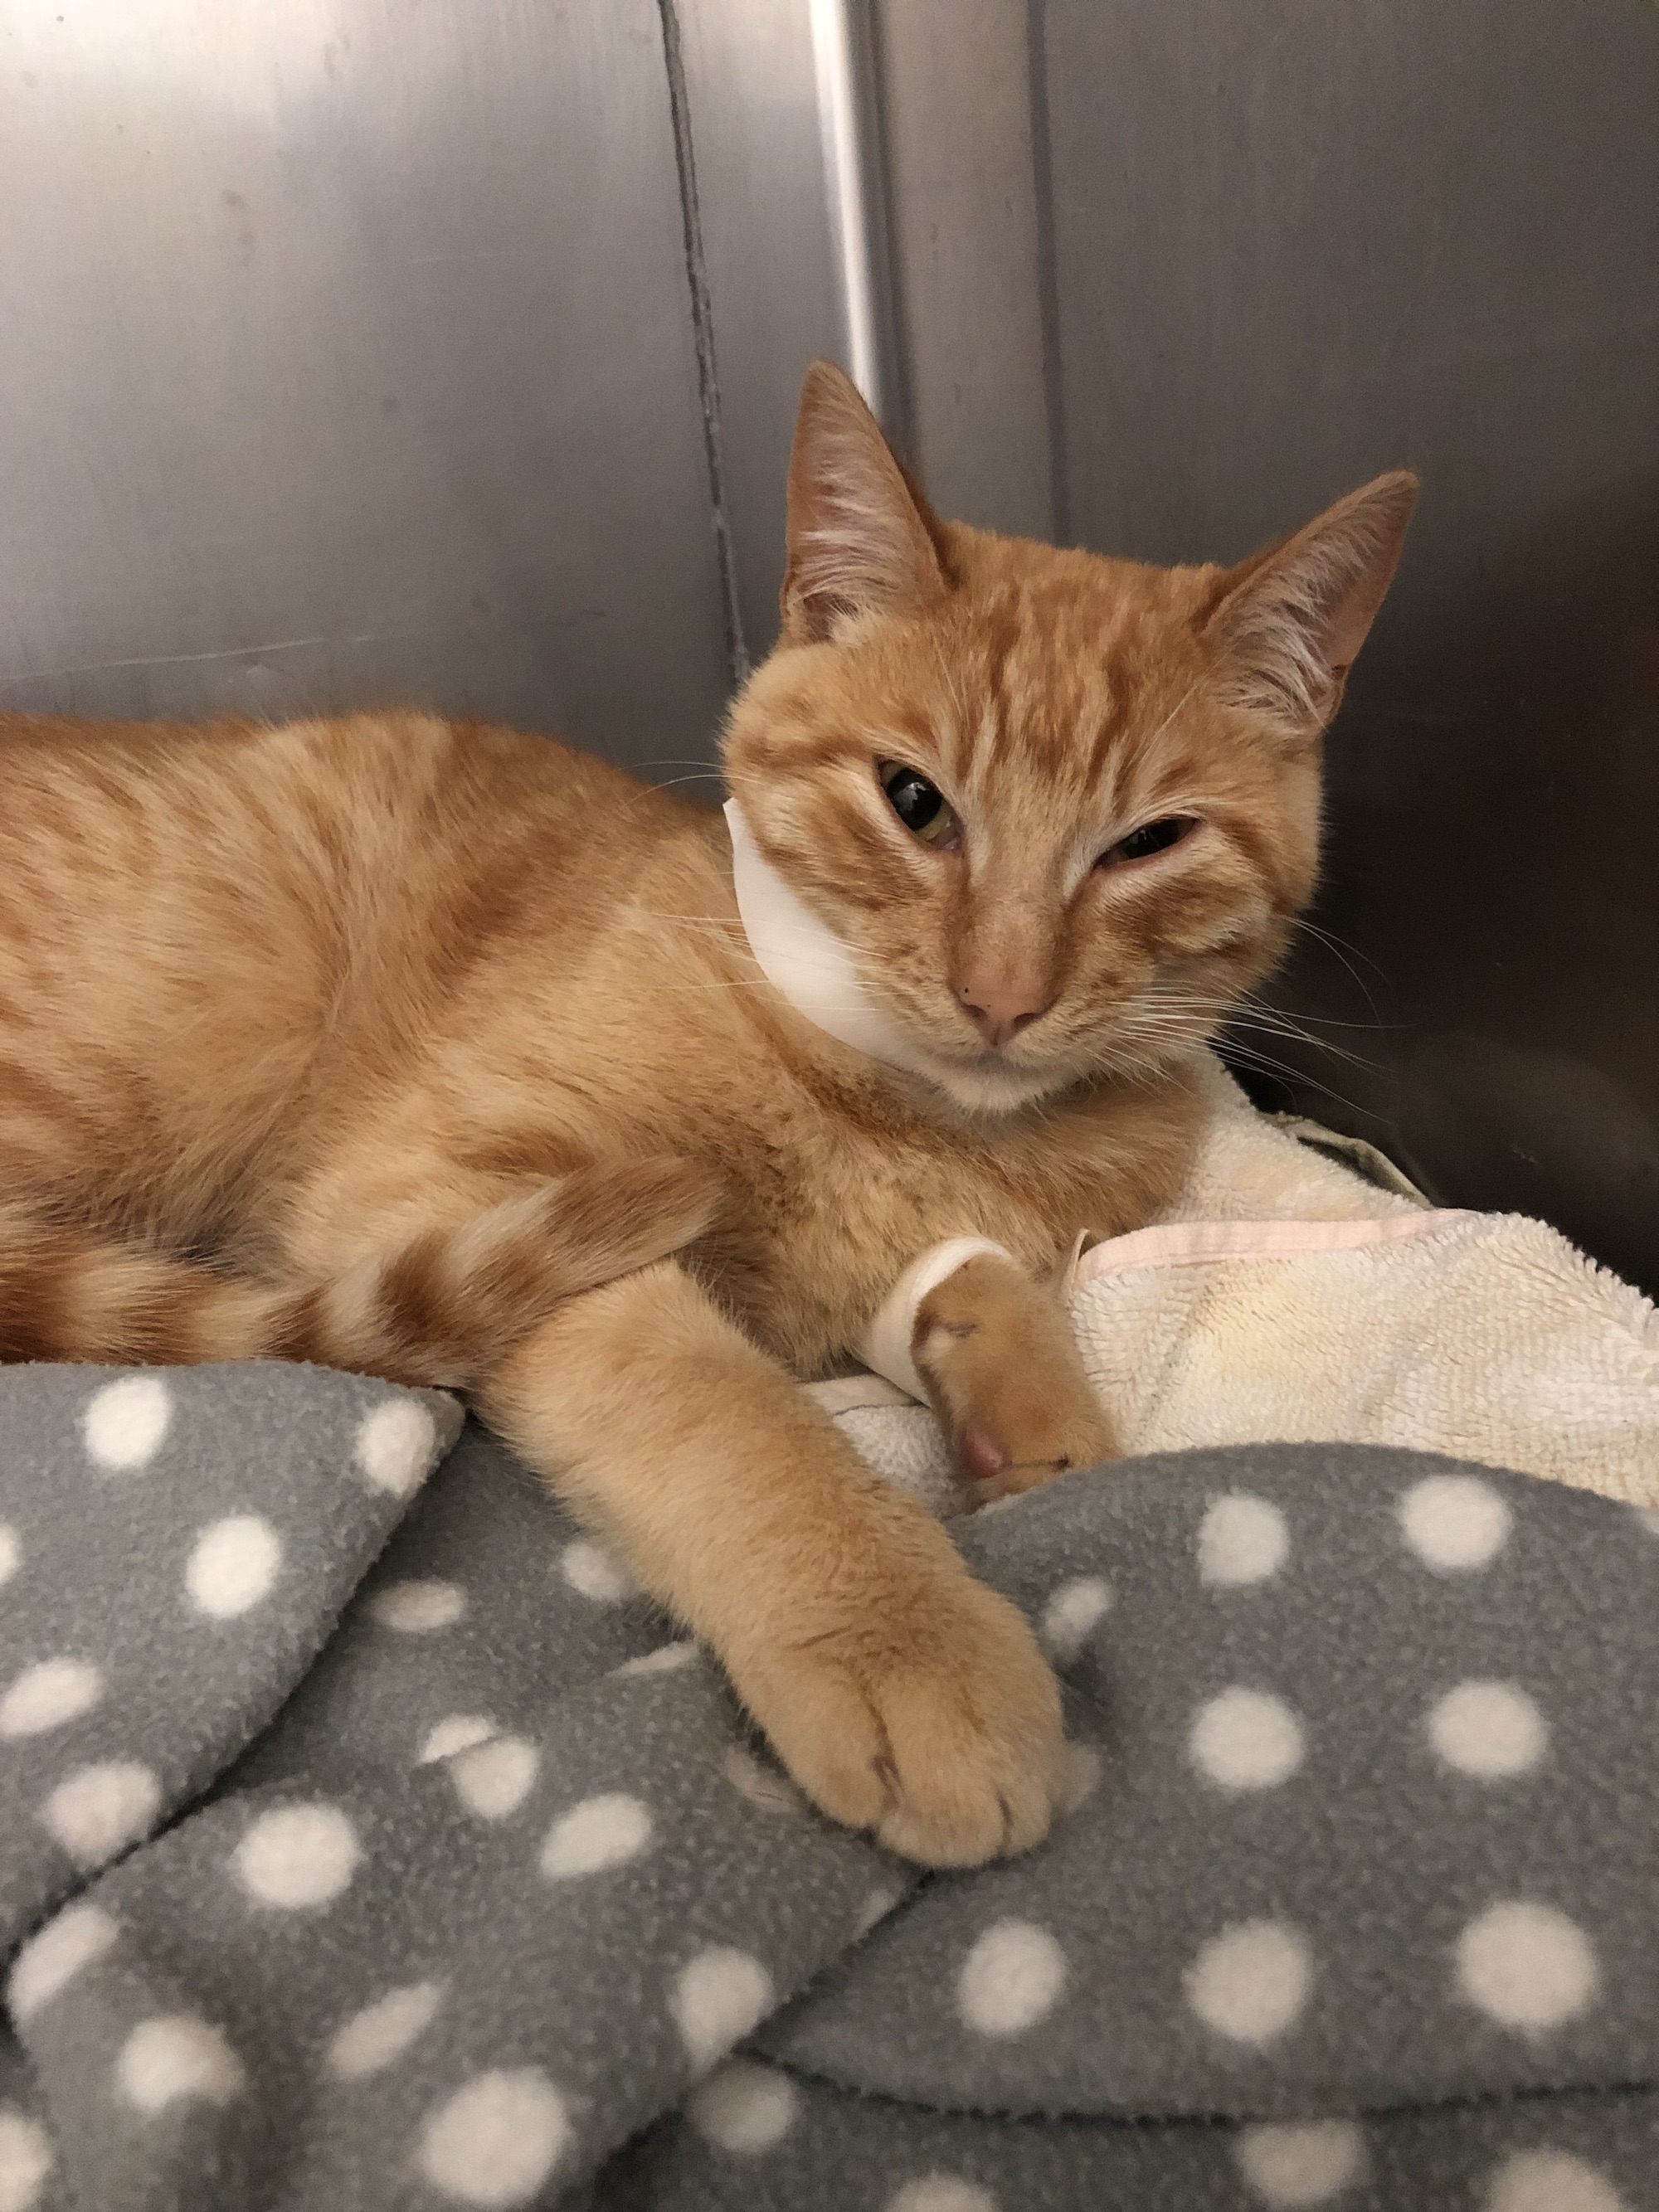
<point>432,349</point>
<point>346,353</point>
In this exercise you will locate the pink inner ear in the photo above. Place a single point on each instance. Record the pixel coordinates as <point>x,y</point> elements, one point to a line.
<point>981,1456</point>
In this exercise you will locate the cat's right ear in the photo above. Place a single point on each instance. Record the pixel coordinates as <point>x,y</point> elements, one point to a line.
<point>860,538</point>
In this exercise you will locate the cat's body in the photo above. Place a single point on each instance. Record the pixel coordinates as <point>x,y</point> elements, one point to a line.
<point>414,1046</point>
<point>313,988</point>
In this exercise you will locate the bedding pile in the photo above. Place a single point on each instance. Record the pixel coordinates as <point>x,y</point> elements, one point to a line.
<point>366,1841</point>
<point>1288,1297</point>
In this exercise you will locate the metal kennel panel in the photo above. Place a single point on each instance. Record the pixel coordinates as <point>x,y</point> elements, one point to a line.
<point>346,354</point>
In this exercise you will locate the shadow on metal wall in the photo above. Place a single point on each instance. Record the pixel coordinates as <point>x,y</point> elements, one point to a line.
<point>1493,878</point>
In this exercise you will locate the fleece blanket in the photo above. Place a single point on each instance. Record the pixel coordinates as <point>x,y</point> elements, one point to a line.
<point>366,1842</point>
<point>1288,1295</point>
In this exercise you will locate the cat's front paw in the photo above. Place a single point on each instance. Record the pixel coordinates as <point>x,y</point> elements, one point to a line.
<point>934,1722</point>
<point>1001,1366</point>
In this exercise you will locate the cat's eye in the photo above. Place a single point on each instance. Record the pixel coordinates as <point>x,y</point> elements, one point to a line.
<point>1150,837</point>
<point>921,806</point>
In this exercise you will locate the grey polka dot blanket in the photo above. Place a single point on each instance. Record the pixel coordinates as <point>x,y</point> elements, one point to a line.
<point>366,1841</point>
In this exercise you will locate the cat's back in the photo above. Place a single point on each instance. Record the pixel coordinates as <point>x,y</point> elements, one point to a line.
<point>197,921</point>
<point>332,821</point>
<point>119,793</point>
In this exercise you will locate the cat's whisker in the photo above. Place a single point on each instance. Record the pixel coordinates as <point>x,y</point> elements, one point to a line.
<point>1179,704</point>
<point>1264,1063</point>
<point>1342,945</point>
<point>732,928</point>
<point>1245,1012</point>
<point>1316,1021</point>
<point>716,931</point>
<point>850,1009</point>
<point>1291,1032</point>
<point>707,920</point>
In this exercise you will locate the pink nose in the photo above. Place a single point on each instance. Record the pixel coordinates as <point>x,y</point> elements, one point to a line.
<point>1002,1011</point>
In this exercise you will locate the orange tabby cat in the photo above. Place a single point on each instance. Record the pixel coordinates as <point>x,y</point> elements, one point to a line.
<point>419,1047</point>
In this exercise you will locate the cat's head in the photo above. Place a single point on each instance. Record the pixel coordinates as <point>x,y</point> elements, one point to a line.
<point>1056,811</point>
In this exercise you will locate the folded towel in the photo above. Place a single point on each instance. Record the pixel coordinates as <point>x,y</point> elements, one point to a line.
<point>1287,1298</point>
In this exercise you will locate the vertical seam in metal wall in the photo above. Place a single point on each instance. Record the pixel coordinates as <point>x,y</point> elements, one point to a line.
<point>1043,178</point>
<point>703,333</point>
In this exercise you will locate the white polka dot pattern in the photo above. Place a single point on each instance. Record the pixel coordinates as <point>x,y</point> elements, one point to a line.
<point>1251,1982</point>
<point>720,1996</point>
<point>124,1422</point>
<point>374,2037</point>
<point>941,2192</point>
<point>594,1836</point>
<point>743,2108</point>
<point>493,1779</point>
<point>418,1607</point>
<point>1291,2167</point>
<point>1011,1980</point>
<point>395,1446</point>
<point>1492,1730</point>
<point>296,1857</point>
<point>1246,1740</point>
<point>1072,1615</point>
<point>100,1809</point>
<point>174,2057</point>
<point>592,1572</point>
<point>459,1732</point>
<point>48,1695</point>
<point>1241,1539</point>
<point>874,1910</point>
<point>666,1659</point>
<point>26,2159</point>
<point>1456,1523</point>
<point>1549,2181</point>
<point>495,2143</point>
<point>1526,1966</point>
<point>48,1962</point>
<point>445,2026</point>
<point>234,1566</point>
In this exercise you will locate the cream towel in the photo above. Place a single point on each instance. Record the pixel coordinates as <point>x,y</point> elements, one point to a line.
<point>1287,1298</point>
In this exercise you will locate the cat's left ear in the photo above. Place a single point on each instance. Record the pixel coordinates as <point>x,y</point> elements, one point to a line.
<point>862,538</point>
<point>1290,620</point>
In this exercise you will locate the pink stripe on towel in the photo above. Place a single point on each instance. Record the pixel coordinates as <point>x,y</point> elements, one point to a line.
<point>1191,1243</point>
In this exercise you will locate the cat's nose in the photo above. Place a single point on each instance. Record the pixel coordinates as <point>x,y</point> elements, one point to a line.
<point>1001,1011</point>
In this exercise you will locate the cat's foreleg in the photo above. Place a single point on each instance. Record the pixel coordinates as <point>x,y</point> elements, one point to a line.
<point>903,1695</point>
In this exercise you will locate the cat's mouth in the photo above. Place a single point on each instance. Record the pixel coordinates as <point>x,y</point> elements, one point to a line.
<point>1141,1043</point>
<point>989,1081</point>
